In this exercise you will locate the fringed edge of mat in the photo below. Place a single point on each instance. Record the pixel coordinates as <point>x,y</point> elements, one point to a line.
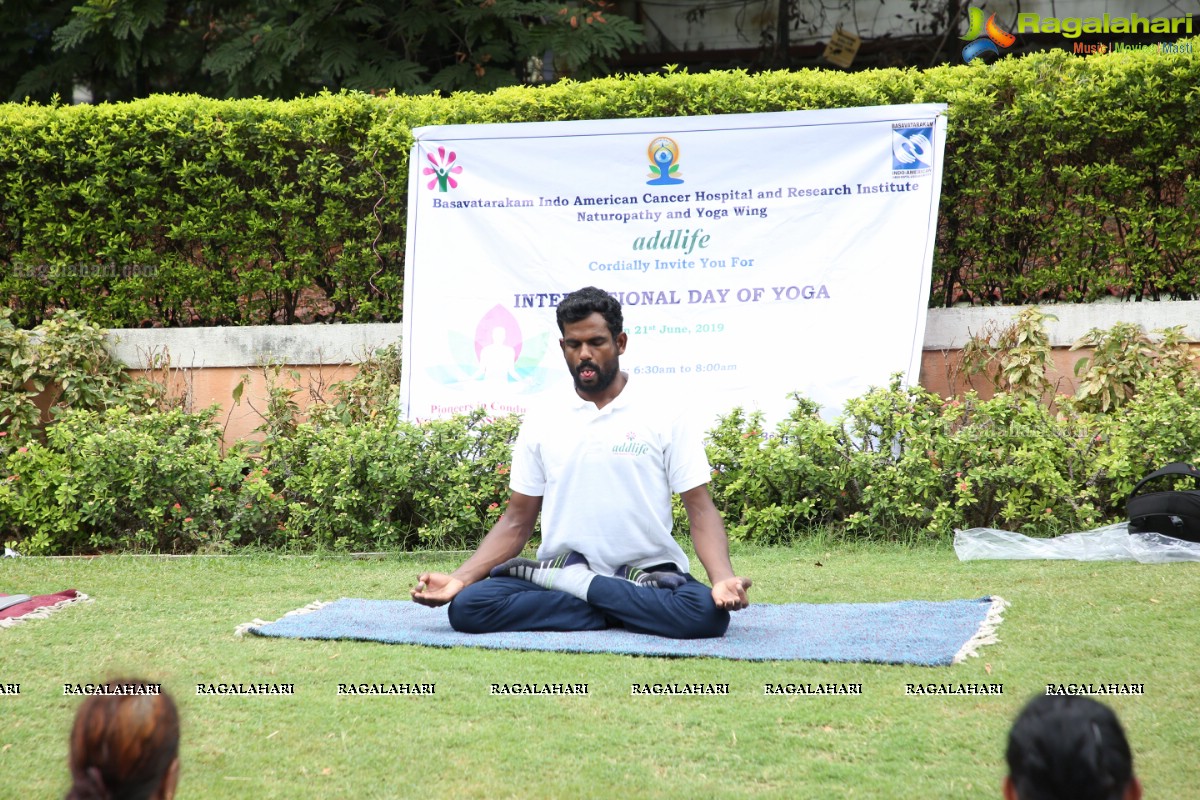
<point>41,612</point>
<point>255,624</point>
<point>986,633</point>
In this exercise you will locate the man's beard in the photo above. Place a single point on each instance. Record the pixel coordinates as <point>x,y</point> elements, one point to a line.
<point>603,379</point>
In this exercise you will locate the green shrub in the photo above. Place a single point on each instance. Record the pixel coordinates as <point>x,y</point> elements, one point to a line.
<point>1125,355</point>
<point>771,487</point>
<point>62,364</point>
<point>188,211</point>
<point>902,460</point>
<point>1008,462</point>
<point>354,476</point>
<point>374,389</point>
<point>159,482</point>
<point>1015,357</point>
<point>19,414</point>
<point>384,483</point>
<point>898,461</point>
<point>1159,424</point>
<point>114,480</point>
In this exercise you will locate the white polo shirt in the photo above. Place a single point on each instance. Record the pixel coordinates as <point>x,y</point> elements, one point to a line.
<point>606,476</point>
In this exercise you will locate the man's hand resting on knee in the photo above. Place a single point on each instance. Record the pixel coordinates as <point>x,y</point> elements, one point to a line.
<point>435,589</point>
<point>730,594</point>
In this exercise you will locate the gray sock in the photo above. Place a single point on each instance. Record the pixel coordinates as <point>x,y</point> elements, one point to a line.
<point>656,580</point>
<point>568,572</point>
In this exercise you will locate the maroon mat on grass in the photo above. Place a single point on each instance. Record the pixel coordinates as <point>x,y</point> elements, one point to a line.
<point>40,606</point>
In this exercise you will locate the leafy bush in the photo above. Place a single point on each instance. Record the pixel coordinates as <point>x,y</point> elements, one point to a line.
<point>19,414</point>
<point>112,479</point>
<point>388,483</point>
<point>62,364</point>
<point>1159,424</point>
<point>772,487</point>
<point>1015,357</point>
<point>374,389</point>
<point>187,211</point>
<point>900,460</point>
<point>1122,357</point>
<point>356,476</point>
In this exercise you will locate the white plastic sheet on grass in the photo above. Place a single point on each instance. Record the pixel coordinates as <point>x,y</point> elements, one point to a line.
<point>1111,543</point>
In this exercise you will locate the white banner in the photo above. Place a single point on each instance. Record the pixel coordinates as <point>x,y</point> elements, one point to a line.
<point>756,255</point>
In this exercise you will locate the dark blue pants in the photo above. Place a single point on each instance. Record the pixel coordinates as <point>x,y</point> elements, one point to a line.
<point>512,604</point>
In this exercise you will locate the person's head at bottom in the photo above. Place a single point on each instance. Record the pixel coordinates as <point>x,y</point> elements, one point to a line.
<point>125,747</point>
<point>1069,748</point>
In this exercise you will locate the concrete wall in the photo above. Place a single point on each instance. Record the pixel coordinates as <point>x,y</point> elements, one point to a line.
<point>948,329</point>
<point>207,363</point>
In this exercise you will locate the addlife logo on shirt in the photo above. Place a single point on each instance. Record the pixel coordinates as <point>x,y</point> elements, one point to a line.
<point>632,446</point>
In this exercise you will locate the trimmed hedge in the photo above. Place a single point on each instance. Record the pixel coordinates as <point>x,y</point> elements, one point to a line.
<point>1066,178</point>
<point>180,210</point>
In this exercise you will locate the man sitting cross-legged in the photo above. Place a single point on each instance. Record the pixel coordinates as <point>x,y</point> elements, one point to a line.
<point>600,468</point>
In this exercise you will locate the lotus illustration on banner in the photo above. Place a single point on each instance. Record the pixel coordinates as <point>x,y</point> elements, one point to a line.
<point>496,355</point>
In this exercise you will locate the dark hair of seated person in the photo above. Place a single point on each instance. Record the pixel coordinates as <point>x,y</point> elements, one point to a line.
<point>125,747</point>
<point>1069,748</point>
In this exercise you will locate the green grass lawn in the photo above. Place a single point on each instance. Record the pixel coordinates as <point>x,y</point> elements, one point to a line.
<point>172,620</point>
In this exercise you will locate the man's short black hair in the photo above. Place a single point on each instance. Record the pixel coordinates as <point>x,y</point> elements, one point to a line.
<point>582,303</point>
<point>1068,747</point>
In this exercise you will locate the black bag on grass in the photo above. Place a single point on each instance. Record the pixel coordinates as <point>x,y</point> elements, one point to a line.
<point>1172,513</point>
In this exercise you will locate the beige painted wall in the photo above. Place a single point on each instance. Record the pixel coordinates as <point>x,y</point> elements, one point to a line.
<point>942,372</point>
<point>200,387</point>
<point>207,363</point>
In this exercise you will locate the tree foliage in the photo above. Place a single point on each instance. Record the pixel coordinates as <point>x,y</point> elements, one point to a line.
<point>125,49</point>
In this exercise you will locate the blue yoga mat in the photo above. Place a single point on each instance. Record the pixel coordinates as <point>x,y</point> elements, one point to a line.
<point>927,633</point>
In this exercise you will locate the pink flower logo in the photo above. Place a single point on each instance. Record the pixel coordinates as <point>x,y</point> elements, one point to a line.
<point>442,170</point>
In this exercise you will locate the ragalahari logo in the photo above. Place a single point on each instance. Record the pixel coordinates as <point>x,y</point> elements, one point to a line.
<point>443,170</point>
<point>664,162</point>
<point>985,39</point>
